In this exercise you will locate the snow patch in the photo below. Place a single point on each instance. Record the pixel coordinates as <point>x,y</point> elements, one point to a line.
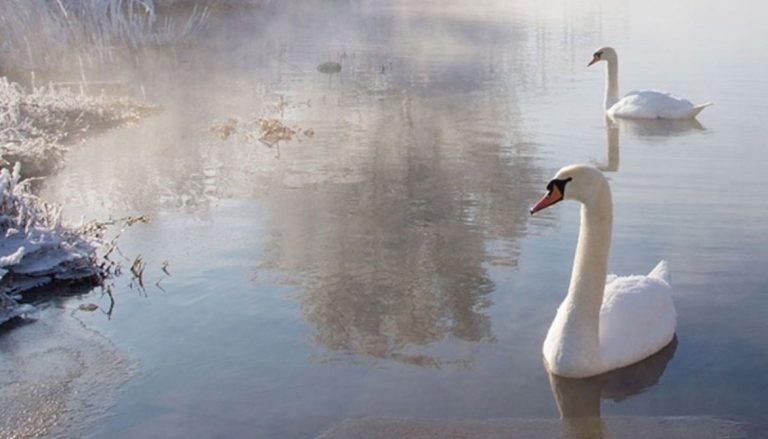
<point>36,248</point>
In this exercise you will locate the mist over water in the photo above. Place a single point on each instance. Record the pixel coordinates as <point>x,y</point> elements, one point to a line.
<point>384,263</point>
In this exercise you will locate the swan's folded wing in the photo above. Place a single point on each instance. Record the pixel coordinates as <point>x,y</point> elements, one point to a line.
<point>651,104</point>
<point>637,319</point>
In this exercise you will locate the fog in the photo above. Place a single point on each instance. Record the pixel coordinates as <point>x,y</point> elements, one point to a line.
<point>350,240</point>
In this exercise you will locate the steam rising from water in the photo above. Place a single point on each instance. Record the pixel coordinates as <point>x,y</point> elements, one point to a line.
<point>420,154</point>
<point>397,221</point>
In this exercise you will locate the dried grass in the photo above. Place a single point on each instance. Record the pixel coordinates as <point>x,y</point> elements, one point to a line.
<point>48,34</point>
<point>267,130</point>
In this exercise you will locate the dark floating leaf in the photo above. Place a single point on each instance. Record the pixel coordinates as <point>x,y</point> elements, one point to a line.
<point>329,67</point>
<point>90,307</point>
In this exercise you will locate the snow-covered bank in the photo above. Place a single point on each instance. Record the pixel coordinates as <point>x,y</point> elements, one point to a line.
<point>36,128</point>
<point>36,248</point>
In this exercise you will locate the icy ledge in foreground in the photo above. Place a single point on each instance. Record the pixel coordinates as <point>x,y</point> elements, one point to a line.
<point>36,249</point>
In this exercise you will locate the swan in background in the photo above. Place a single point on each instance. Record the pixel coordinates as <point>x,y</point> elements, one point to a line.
<point>603,324</point>
<point>643,104</point>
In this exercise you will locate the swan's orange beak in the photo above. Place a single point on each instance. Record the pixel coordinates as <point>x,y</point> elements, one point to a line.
<point>594,60</point>
<point>553,196</point>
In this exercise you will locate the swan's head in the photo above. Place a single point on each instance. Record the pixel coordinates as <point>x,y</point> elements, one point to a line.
<point>575,182</point>
<point>603,54</point>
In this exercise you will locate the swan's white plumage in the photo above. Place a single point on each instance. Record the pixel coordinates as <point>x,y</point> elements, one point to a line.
<point>644,104</point>
<point>604,322</point>
<point>653,104</point>
<point>637,318</point>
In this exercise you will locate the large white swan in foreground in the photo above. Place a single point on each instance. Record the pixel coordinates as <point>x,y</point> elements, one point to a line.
<point>601,326</point>
<point>643,104</point>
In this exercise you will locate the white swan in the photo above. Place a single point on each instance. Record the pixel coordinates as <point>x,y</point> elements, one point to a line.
<point>600,327</point>
<point>643,104</point>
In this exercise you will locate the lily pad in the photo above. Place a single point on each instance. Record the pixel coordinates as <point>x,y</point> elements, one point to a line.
<point>329,67</point>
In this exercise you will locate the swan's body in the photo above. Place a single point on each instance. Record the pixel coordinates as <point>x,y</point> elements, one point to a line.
<point>600,327</point>
<point>643,104</point>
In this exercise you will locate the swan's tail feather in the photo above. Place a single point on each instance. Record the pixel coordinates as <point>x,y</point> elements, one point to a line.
<point>697,109</point>
<point>661,271</point>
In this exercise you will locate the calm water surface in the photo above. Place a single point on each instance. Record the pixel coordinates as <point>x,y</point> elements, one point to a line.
<point>386,264</point>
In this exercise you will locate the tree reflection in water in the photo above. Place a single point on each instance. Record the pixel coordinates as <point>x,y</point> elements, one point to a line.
<point>395,266</point>
<point>418,176</point>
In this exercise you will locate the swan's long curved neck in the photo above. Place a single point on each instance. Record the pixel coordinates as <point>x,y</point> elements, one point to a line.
<point>591,261</point>
<point>611,83</point>
<point>585,294</point>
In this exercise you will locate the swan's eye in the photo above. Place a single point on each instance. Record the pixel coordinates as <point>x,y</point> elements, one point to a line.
<point>559,183</point>
<point>598,54</point>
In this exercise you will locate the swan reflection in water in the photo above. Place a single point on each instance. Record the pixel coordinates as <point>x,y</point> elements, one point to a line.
<point>612,141</point>
<point>652,129</point>
<point>647,130</point>
<point>578,399</point>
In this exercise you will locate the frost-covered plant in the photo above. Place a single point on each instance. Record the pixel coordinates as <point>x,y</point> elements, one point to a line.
<point>35,126</point>
<point>35,248</point>
<point>39,34</point>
